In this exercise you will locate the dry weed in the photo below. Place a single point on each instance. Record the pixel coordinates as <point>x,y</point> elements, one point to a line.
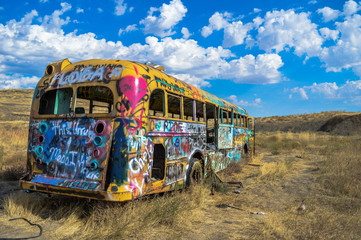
<point>275,170</point>
<point>76,218</point>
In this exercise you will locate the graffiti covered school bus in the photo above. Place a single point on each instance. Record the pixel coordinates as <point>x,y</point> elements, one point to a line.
<point>117,130</point>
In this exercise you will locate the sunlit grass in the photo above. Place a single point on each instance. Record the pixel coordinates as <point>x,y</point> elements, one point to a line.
<point>80,219</point>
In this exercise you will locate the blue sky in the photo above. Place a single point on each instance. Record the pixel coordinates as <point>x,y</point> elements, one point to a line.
<point>270,57</point>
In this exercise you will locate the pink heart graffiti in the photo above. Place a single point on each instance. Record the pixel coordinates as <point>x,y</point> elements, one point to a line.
<point>134,88</point>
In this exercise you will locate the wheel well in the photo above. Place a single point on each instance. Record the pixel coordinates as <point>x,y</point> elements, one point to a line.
<point>199,156</point>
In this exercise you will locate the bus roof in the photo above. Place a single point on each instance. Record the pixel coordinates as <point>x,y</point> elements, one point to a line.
<point>63,72</point>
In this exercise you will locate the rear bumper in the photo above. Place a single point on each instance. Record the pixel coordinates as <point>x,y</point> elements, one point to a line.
<point>26,184</point>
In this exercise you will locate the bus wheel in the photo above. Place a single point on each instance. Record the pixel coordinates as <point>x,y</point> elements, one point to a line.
<point>195,173</point>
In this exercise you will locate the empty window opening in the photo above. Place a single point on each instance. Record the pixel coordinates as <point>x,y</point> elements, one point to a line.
<point>225,116</point>
<point>199,111</point>
<point>158,167</point>
<point>93,99</point>
<point>174,106</point>
<point>211,122</point>
<point>188,104</point>
<point>243,118</point>
<point>56,101</point>
<point>156,103</point>
<point>250,123</point>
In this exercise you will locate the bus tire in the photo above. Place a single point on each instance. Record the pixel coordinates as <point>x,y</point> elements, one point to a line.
<point>195,173</point>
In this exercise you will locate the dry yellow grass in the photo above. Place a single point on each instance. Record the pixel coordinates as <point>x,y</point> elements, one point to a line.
<point>13,148</point>
<point>322,170</point>
<point>80,219</point>
<point>275,170</point>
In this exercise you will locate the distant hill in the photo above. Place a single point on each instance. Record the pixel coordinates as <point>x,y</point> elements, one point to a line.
<point>15,105</point>
<point>334,122</point>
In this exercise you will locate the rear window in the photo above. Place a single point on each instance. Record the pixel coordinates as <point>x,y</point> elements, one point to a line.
<point>56,101</point>
<point>93,99</point>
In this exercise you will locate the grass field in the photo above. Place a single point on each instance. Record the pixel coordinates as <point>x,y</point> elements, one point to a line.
<point>322,171</point>
<point>319,169</point>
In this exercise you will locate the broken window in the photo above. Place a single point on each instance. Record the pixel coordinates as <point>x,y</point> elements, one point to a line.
<point>93,100</point>
<point>56,101</point>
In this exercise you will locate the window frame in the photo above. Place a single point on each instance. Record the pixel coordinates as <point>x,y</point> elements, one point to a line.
<point>180,106</point>
<point>55,109</point>
<point>165,108</point>
<point>193,109</point>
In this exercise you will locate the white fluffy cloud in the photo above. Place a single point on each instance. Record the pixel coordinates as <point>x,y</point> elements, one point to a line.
<point>234,32</point>
<point>250,69</point>
<point>54,22</point>
<point>185,33</point>
<point>169,16</point>
<point>288,29</point>
<point>242,103</point>
<point>346,53</point>
<point>120,7</point>
<point>129,28</point>
<point>300,91</point>
<point>26,48</point>
<point>216,22</point>
<point>349,91</point>
<point>329,34</point>
<point>191,79</point>
<point>17,81</point>
<point>350,8</point>
<point>329,14</point>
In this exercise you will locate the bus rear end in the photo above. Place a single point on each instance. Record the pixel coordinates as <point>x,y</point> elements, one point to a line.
<point>71,130</point>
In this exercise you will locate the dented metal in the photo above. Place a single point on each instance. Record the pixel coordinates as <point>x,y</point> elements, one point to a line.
<point>97,131</point>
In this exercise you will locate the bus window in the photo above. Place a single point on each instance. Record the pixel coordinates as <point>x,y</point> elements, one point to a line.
<point>93,99</point>
<point>250,123</point>
<point>156,103</point>
<point>56,101</point>
<point>242,121</point>
<point>174,106</point>
<point>211,122</point>
<point>199,111</point>
<point>188,108</point>
<point>225,117</point>
<point>236,116</point>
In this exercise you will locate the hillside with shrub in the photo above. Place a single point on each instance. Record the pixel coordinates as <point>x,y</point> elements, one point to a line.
<point>333,122</point>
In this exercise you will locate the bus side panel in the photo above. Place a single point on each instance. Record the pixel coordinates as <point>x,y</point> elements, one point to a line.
<point>181,141</point>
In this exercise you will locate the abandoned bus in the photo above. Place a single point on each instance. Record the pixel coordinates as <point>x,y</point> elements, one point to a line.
<point>117,130</point>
